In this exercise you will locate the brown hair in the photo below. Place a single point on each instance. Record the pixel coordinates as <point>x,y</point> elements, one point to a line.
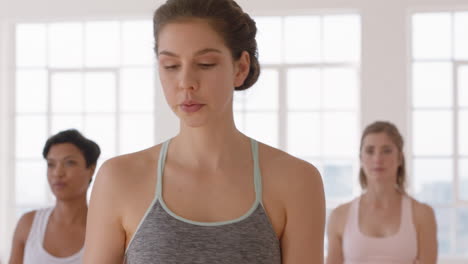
<point>392,132</point>
<point>236,27</point>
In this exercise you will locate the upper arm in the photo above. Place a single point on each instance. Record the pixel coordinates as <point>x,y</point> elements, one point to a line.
<point>19,238</point>
<point>334,235</point>
<point>105,236</point>
<point>427,234</point>
<point>302,239</point>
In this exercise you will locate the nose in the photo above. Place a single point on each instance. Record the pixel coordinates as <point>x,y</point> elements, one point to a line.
<point>58,171</point>
<point>188,79</point>
<point>378,157</point>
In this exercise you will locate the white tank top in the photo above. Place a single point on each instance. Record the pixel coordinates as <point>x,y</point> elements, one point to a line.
<point>34,252</point>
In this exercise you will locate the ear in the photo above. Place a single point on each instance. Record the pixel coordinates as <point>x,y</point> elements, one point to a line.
<point>241,69</point>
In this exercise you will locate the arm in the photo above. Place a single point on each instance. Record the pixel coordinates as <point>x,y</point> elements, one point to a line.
<point>19,238</point>
<point>302,239</point>
<point>105,236</point>
<point>427,234</point>
<point>335,249</point>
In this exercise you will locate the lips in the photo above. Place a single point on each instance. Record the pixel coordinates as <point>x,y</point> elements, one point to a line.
<point>191,106</point>
<point>59,185</point>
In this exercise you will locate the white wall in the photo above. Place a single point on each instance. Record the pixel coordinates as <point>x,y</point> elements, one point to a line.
<point>5,139</point>
<point>384,61</point>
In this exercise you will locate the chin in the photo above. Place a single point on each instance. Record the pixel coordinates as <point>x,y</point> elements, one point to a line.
<point>193,121</point>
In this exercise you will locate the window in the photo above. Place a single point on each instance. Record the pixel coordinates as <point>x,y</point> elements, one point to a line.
<point>97,77</point>
<point>440,123</point>
<point>306,100</point>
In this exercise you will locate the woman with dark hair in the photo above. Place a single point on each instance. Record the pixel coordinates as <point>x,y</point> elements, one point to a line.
<point>56,235</point>
<point>384,224</point>
<point>210,194</point>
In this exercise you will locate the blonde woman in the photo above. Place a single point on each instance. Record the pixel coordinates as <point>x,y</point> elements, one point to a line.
<point>384,225</point>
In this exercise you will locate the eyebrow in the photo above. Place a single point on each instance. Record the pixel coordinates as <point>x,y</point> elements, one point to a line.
<point>198,53</point>
<point>65,158</point>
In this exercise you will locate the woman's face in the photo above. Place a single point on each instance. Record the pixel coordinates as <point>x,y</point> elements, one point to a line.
<point>380,159</point>
<point>66,171</point>
<point>197,72</point>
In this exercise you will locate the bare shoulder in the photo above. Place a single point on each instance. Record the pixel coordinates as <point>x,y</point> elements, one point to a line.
<point>338,218</point>
<point>282,166</point>
<point>125,169</point>
<point>292,182</point>
<point>124,180</point>
<point>24,225</point>
<point>422,212</point>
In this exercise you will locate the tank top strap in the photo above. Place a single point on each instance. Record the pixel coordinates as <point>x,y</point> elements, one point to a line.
<point>34,231</point>
<point>161,162</point>
<point>407,214</point>
<point>352,225</point>
<point>257,172</point>
<point>43,219</point>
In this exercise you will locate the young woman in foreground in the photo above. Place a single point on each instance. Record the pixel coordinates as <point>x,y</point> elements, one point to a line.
<point>210,194</point>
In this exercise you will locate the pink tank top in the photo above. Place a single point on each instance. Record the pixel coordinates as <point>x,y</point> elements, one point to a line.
<point>400,248</point>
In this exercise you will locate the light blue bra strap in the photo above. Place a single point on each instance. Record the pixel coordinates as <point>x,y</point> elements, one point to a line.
<point>257,172</point>
<point>161,162</point>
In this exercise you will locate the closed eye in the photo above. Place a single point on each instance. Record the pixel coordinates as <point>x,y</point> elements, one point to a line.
<point>171,67</point>
<point>206,65</point>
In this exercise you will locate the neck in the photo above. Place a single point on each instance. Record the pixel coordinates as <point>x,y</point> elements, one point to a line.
<point>381,195</point>
<point>210,147</point>
<point>71,212</point>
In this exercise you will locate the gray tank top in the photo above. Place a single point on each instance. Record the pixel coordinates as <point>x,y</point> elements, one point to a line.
<point>163,237</point>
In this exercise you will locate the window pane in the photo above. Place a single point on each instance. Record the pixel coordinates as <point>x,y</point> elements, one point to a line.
<point>137,90</point>
<point>31,135</point>
<point>31,183</point>
<point>264,94</point>
<point>136,132</point>
<point>463,86</point>
<point>462,232</point>
<point>102,44</point>
<point>102,130</point>
<point>444,223</point>
<point>432,84</point>
<point>302,37</point>
<point>463,132</point>
<point>65,45</point>
<point>263,127</point>
<point>67,93</point>
<point>100,92</point>
<point>338,179</point>
<point>433,180</point>
<point>461,36</point>
<point>432,36</point>
<point>463,185</point>
<point>31,45</point>
<point>31,91</point>
<point>269,39</point>
<point>304,134</point>
<point>342,35</point>
<point>432,133</point>
<point>303,89</point>
<point>339,134</point>
<point>340,88</point>
<point>137,43</point>
<point>60,122</point>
